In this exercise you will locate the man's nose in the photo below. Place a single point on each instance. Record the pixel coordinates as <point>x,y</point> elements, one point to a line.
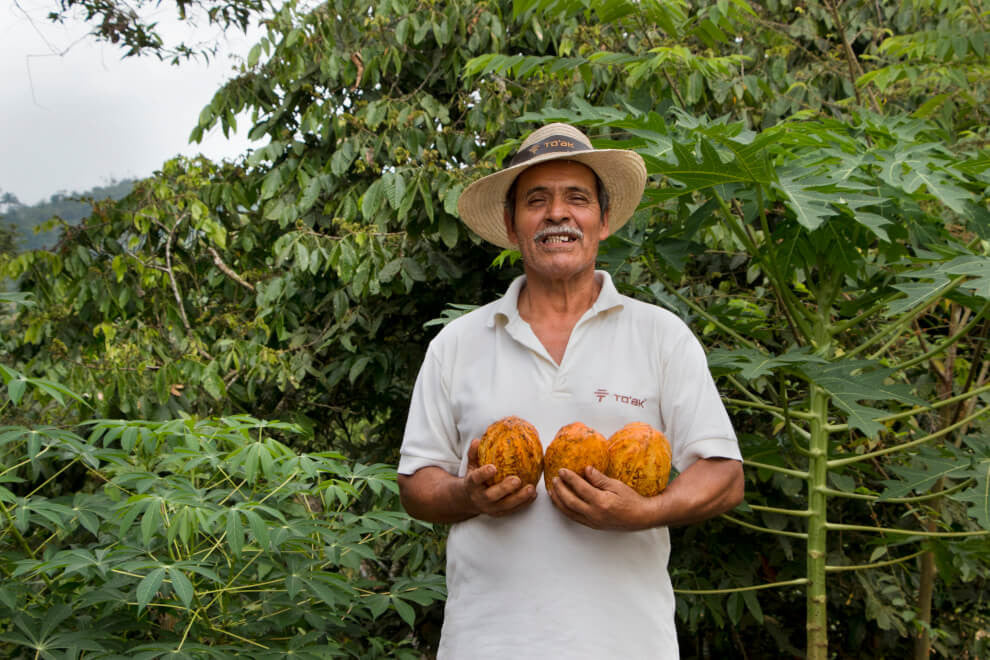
<point>558,210</point>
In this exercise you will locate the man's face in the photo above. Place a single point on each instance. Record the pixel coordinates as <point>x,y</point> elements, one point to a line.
<point>558,222</point>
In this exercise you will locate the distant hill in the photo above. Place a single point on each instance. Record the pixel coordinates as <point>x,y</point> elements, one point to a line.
<point>67,206</point>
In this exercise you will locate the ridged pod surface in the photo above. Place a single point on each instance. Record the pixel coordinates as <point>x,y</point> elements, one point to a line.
<point>575,447</point>
<point>639,456</point>
<point>513,446</point>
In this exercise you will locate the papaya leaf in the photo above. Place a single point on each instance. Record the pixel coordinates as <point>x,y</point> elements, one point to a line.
<point>752,364</point>
<point>807,197</point>
<point>977,498</point>
<point>922,474</point>
<point>912,166</point>
<point>850,381</point>
<point>917,294</point>
<point>939,276</point>
<point>707,170</point>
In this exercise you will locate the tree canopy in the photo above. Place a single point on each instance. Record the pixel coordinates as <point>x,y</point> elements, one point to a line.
<point>133,26</point>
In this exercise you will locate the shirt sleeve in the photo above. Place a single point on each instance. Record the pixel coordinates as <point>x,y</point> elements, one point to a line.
<point>696,421</point>
<point>430,437</point>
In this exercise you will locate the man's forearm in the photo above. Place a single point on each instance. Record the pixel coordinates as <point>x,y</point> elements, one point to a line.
<point>434,495</point>
<point>709,487</point>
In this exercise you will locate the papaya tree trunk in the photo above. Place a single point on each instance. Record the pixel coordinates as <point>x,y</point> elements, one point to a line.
<point>817,595</point>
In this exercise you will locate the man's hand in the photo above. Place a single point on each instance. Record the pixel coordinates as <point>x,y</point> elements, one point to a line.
<point>709,487</point>
<point>601,502</point>
<point>503,498</point>
<point>435,495</point>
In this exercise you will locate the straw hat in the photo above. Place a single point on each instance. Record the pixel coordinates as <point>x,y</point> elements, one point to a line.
<point>622,172</point>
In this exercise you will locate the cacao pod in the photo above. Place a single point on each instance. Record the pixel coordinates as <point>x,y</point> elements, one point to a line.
<point>513,446</point>
<point>639,456</point>
<point>575,447</point>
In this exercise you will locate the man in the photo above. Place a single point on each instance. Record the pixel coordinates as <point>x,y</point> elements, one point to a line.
<point>581,571</point>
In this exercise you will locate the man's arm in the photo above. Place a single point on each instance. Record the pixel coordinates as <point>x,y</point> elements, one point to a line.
<point>434,495</point>
<point>709,487</point>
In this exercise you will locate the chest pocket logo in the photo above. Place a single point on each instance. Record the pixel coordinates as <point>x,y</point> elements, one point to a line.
<point>604,395</point>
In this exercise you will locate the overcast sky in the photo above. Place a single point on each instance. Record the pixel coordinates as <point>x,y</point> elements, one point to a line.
<point>72,121</point>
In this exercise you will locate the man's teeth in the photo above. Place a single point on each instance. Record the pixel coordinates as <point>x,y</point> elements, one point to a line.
<point>559,238</point>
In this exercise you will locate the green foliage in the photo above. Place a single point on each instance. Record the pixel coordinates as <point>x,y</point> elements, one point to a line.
<point>202,538</point>
<point>817,211</point>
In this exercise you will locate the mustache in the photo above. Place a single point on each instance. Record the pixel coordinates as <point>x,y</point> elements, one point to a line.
<point>573,232</point>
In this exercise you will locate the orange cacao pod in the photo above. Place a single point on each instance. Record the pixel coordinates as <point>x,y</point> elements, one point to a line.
<point>513,446</point>
<point>575,447</point>
<point>639,456</point>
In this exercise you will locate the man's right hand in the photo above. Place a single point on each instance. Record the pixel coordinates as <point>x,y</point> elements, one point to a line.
<point>434,495</point>
<point>496,500</point>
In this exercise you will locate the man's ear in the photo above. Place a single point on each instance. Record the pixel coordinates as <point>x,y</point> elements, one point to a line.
<point>510,226</point>
<point>605,229</point>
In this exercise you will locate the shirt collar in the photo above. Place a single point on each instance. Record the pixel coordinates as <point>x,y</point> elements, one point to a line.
<point>508,305</point>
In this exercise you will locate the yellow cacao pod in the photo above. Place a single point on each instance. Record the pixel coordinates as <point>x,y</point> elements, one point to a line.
<point>639,456</point>
<point>513,446</point>
<point>575,447</point>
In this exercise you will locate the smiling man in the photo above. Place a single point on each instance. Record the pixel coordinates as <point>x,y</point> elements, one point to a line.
<point>579,571</point>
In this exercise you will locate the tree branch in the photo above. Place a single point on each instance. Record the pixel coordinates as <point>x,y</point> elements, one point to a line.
<point>218,261</point>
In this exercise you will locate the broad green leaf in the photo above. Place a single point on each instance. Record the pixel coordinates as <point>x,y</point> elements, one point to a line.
<point>394,185</point>
<point>805,197</point>
<point>850,381</point>
<point>922,474</point>
<point>181,585</point>
<point>404,610</point>
<point>448,230</point>
<point>323,592</point>
<point>258,529</point>
<point>377,604</point>
<point>977,498</point>
<point>235,531</point>
<point>747,165</point>
<point>148,587</point>
<point>941,276</point>
<point>918,293</point>
<point>752,364</point>
<point>15,389</point>
<point>151,521</point>
<point>372,199</point>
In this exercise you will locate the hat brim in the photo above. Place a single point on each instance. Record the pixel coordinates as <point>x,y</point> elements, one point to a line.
<point>622,172</point>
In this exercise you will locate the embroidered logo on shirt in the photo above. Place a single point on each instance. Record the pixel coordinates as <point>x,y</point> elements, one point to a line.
<point>601,394</point>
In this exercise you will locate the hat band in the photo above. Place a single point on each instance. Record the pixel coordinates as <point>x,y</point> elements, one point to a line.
<point>552,144</point>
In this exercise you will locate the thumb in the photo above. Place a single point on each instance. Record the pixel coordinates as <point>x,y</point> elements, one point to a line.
<point>596,478</point>
<point>473,453</point>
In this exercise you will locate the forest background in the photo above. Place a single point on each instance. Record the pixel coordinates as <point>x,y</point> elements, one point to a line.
<point>206,380</point>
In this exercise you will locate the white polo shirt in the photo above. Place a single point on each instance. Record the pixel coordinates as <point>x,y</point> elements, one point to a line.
<point>536,584</point>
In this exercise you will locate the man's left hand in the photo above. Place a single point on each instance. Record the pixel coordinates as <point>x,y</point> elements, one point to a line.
<point>601,502</point>
<point>708,487</point>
